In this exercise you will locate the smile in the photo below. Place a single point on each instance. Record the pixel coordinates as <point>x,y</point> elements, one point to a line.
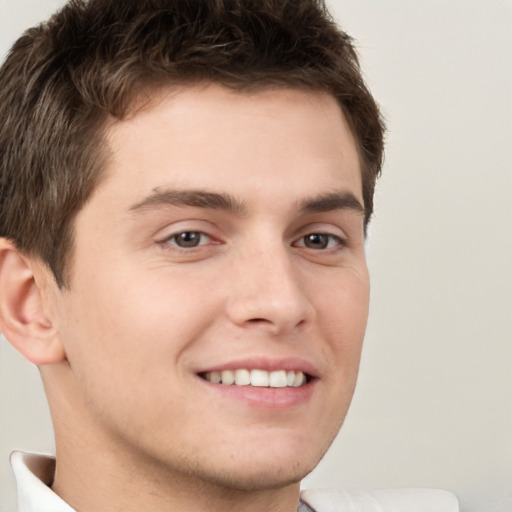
<point>257,378</point>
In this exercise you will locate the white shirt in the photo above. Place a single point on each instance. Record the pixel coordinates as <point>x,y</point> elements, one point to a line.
<point>34,474</point>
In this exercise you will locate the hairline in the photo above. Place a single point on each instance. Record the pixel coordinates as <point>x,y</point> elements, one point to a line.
<point>144,97</point>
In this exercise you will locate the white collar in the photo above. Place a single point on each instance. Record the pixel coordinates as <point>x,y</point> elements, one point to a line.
<point>34,473</point>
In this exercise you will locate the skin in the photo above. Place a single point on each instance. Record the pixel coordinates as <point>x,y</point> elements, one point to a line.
<point>142,316</point>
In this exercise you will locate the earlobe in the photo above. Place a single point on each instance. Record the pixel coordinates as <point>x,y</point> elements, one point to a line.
<point>24,320</point>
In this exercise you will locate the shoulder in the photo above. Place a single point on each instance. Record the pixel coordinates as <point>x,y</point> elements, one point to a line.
<point>380,500</point>
<point>34,473</point>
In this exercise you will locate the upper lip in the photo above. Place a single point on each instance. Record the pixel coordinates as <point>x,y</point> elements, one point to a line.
<point>265,363</point>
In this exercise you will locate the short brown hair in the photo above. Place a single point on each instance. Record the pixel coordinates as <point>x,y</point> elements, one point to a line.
<point>63,79</point>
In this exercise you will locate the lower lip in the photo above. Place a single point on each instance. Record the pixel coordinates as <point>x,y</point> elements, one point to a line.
<point>265,397</point>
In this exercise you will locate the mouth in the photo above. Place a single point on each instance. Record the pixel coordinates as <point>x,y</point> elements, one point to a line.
<point>257,378</point>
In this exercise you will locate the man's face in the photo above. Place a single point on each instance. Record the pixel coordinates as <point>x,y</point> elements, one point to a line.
<point>227,239</point>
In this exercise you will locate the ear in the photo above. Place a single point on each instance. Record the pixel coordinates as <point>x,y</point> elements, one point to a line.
<point>24,317</point>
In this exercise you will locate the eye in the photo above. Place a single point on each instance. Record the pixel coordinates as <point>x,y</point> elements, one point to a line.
<point>189,239</point>
<point>319,241</point>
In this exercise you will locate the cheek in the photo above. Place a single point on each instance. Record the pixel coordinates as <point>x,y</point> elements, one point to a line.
<point>125,325</point>
<point>342,314</point>
<point>343,307</point>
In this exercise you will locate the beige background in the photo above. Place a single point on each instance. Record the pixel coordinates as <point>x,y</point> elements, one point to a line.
<point>433,406</point>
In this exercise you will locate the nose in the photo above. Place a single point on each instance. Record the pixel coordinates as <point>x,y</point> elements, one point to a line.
<point>268,293</point>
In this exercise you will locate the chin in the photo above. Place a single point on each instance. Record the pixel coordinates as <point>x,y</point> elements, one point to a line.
<point>259,480</point>
<point>263,469</point>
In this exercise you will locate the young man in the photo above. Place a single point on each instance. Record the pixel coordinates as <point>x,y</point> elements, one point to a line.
<point>184,189</point>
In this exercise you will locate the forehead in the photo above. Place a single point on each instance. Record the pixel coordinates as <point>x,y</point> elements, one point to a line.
<point>214,137</point>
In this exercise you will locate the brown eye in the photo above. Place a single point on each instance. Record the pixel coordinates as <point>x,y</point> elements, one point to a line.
<point>319,241</point>
<point>316,241</point>
<point>189,239</point>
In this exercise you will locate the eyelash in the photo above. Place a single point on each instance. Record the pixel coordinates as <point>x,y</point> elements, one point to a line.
<point>172,240</point>
<point>333,241</point>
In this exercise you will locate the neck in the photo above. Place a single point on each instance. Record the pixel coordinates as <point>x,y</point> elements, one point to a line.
<point>101,482</point>
<point>98,472</point>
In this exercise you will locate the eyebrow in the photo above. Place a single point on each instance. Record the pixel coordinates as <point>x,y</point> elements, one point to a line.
<point>194,198</point>
<point>341,200</point>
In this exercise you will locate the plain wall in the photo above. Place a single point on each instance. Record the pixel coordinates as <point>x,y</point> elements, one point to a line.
<point>433,407</point>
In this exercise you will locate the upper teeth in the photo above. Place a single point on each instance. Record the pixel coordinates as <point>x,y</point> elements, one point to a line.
<point>260,378</point>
